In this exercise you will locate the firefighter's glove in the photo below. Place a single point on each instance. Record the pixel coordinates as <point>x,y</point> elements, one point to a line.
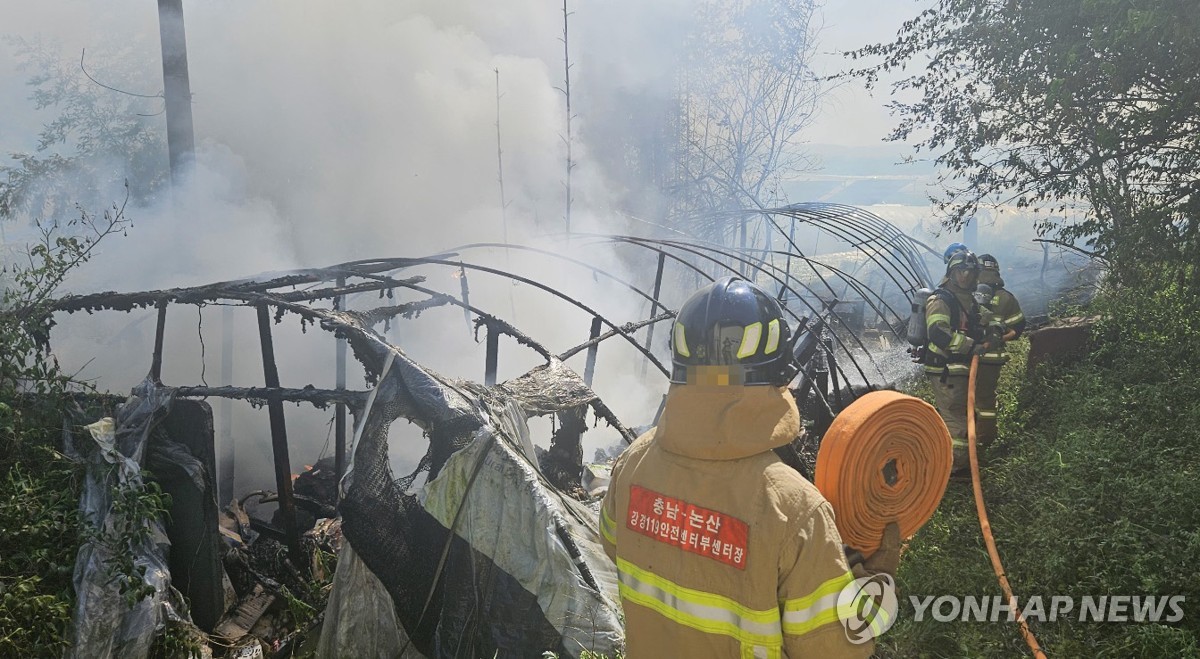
<point>980,347</point>
<point>886,559</point>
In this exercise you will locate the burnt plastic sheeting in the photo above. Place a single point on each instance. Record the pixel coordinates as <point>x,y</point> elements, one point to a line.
<point>475,564</point>
<point>360,618</point>
<point>102,625</point>
<point>548,389</point>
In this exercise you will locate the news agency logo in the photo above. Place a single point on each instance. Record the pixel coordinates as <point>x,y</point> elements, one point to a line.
<point>867,607</point>
<point>1103,608</point>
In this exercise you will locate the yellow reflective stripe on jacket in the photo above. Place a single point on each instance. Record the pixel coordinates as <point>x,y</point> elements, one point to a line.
<point>952,369</point>
<point>804,614</point>
<point>608,528</point>
<point>1014,319</point>
<point>955,342</point>
<point>876,614</point>
<point>936,317</point>
<point>706,612</point>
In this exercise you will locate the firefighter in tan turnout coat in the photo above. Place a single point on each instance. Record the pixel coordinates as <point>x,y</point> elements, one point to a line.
<point>1006,310</point>
<point>955,334</point>
<point>721,549</point>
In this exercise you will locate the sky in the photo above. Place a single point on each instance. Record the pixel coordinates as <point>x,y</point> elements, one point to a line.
<point>850,116</point>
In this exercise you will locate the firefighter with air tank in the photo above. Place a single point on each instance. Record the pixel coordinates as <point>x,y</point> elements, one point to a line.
<point>952,330</point>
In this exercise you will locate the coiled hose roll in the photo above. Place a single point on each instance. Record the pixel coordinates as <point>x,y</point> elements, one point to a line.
<point>886,458</point>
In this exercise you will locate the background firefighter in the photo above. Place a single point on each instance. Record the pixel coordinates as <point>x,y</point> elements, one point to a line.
<point>1006,310</point>
<point>721,549</point>
<point>955,334</point>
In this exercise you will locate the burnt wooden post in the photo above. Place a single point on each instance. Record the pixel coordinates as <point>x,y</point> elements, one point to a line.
<point>492,358</point>
<point>589,368</point>
<point>279,445</point>
<point>159,331</point>
<point>339,413</point>
<point>654,307</point>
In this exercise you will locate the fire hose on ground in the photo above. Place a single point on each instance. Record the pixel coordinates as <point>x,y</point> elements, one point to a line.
<point>984,524</point>
<point>887,458</point>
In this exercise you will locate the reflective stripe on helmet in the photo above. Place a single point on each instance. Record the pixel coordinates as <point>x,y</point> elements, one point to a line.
<point>706,612</point>
<point>772,337</point>
<point>681,341</point>
<point>751,337</point>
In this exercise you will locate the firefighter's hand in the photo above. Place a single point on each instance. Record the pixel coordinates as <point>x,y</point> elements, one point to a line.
<point>981,347</point>
<point>886,559</point>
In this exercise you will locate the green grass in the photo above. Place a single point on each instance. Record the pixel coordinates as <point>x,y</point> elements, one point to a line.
<point>1091,489</point>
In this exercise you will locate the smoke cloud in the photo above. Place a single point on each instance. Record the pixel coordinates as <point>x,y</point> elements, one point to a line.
<point>329,132</point>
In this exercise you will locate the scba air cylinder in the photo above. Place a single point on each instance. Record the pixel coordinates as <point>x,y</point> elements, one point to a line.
<point>917,334</point>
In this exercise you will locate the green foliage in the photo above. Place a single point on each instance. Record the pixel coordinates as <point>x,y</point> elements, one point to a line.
<point>39,487</point>
<point>1089,490</point>
<point>299,612</point>
<point>38,539</point>
<point>1082,109</point>
<point>134,506</point>
<point>177,641</point>
<point>97,139</point>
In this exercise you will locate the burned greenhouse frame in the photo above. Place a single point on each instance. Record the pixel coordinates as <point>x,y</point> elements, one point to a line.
<point>474,426</point>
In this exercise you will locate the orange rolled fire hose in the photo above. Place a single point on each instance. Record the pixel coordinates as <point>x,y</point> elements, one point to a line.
<point>984,524</point>
<point>886,458</point>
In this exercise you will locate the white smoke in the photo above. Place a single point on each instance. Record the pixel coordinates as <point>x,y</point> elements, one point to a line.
<point>329,132</point>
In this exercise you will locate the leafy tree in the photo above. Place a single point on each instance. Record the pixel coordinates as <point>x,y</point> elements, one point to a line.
<point>99,138</point>
<point>1087,110</point>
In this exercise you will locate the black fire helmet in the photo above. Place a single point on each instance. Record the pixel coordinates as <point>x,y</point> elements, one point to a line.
<point>731,332</point>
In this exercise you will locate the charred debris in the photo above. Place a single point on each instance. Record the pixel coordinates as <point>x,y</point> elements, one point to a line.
<point>452,588</point>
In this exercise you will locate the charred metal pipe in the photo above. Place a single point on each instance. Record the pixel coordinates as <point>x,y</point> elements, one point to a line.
<point>339,412</point>
<point>628,328</point>
<point>279,443</point>
<point>589,367</point>
<point>698,251</point>
<point>159,334</point>
<point>491,359</point>
<point>318,398</point>
<point>658,276</point>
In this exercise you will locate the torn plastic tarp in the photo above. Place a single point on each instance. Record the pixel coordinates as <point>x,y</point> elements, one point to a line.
<point>360,619</point>
<point>103,625</point>
<point>488,559</point>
